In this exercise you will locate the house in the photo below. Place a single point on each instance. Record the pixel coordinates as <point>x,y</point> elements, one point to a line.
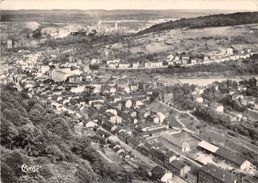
<point>103,133</point>
<point>156,155</point>
<point>134,114</point>
<point>199,99</point>
<point>135,65</point>
<point>154,129</point>
<point>170,57</point>
<point>10,44</point>
<point>148,65</point>
<point>133,141</point>
<point>133,87</point>
<point>144,149</point>
<point>193,61</point>
<point>185,60</point>
<point>156,119</point>
<point>229,51</point>
<point>158,172</point>
<point>113,65</point>
<point>74,79</point>
<point>93,100</point>
<point>94,62</point>
<point>177,58</point>
<point>117,99</point>
<point>220,108</point>
<point>123,135</point>
<point>206,59</point>
<point>167,177</point>
<point>113,62</point>
<point>62,74</point>
<point>160,64</point>
<point>97,88</point>
<point>212,174</point>
<point>112,89</point>
<point>115,119</point>
<point>112,142</point>
<point>122,83</point>
<point>161,117</point>
<point>123,65</point>
<point>78,89</point>
<point>91,125</point>
<point>139,103</point>
<point>43,69</point>
<point>127,89</point>
<point>86,68</point>
<point>107,125</point>
<point>247,166</point>
<point>113,111</point>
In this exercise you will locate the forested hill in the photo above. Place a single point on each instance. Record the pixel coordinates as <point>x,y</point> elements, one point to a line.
<point>33,133</point>
<point>206,21</point>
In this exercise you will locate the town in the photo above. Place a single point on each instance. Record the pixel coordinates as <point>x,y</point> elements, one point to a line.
<point>120,110</point>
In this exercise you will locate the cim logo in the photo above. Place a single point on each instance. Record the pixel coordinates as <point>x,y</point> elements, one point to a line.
<point>29,169</point>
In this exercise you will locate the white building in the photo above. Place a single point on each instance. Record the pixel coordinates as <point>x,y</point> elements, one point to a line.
<point>170,58</point>
<point>229,51</point>
<point>62,74</point>
<point>116,119</point>
<point>161,117</point>
<point>128,103</point>
<point>124,66</point>
<point>199,99</point>
<point>78,89</point>
<point>247,166</point>
<point>97,88</point>
<point>136,65</point>
<point>10,44</point>
<point>113,61</point>
<point>220,108</point>
<point>113,65</point>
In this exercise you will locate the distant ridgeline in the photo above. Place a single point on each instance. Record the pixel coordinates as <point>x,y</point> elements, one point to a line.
<point>205,21</point>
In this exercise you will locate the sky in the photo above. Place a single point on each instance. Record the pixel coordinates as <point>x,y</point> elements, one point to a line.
<point>250,5</point>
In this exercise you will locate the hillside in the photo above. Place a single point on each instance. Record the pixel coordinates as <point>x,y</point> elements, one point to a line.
<point>206,21</point>
<point>34,134</point>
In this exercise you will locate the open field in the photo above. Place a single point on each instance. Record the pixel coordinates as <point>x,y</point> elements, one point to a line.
<point>203,40</point>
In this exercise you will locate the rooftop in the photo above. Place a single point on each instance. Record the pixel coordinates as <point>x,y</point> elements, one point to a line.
<point>218,173</point>
<point>178,164</point>
<point>231,156</point>
<point>206,145</point>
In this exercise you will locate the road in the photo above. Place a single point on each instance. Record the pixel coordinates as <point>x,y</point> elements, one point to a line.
<point>144,158</point>
<point>179,120</point>
<point>141,68</point>
<point>132,150</point>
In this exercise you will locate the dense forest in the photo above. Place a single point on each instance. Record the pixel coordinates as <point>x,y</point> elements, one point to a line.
<point>206,21</point>
<point>33,133</point>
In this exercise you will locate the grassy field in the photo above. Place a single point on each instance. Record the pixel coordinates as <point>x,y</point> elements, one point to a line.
<point>200,40</point>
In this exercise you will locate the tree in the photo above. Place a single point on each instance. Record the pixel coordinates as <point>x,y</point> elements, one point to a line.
<point>84,173</point>
<point>157,173</point>
<point>54,153</point>
<point>142,172</point>
<point>36,116</point>
<point>79,144</point>
<point>13,116</point>
<point>8,133</point>
<point>60,127</point>
<point>7,174</point>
